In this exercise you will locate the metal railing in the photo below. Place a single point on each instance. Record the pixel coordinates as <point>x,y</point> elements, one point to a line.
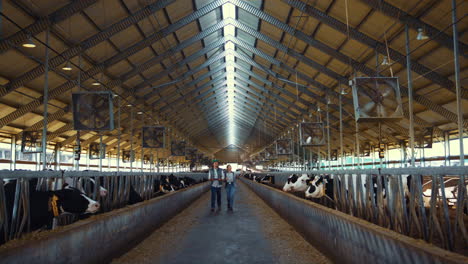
<point>430,205</point>
<point>117,184</point>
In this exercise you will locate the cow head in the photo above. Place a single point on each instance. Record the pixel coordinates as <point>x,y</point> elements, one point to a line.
<point>296,183</point>
<point>72,200</point>
<point>102,190</point>
<point>316,187</point>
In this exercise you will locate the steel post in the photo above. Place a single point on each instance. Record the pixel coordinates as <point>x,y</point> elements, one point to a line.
<point>46,100</point>
<point>410,94</point>
<point>456,62</point>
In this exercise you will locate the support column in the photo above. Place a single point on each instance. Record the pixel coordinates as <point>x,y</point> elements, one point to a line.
<point>13,153</point>
<point>132,155</point>
<point>446,148</point>
<point>57,157</point>
<point>341,130</point>
<point>101,152</point>
<point>46,101</point>
<point>410,95</point>
<point>456,62</point>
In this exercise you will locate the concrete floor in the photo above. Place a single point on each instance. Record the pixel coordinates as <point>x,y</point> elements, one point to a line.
<point>253,233</point>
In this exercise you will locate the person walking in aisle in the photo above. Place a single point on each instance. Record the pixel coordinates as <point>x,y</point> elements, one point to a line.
<point>230,187</point>
<point>216,176</point>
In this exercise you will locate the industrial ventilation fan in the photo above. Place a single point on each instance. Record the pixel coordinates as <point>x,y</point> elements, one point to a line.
<point>128,156</point>
<point>334,154</point>
<point>147,159</point>
<point>95,151</point>
<point>366,149</point>
<point>199,157</point>
<point>178,148</point>
<point>312,134</point>
<point>423,137</point>
<point>206,161</point>
<point>93,111</point>
<point>377,98</point>
<point>153,137</point>
<point>31,142</point>
<point>262,156</point>
<point>190,153</point>
<point>270,153</point>
<point>283,147</point>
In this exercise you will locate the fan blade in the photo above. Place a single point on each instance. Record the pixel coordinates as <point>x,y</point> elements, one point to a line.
<point>368,107</point>
<point>386,91</point>
<point>390,104</point>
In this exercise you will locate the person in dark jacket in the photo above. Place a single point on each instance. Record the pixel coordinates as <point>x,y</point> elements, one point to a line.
<point>216,176</point>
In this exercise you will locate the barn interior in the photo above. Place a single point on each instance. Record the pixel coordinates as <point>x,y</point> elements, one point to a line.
<point>167,86</point>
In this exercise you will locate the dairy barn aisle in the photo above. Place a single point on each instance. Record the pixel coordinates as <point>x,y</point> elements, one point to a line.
<point>253,233</point>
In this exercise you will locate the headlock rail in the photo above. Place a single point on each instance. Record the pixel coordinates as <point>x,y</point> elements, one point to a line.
<point>424,203</point>
<point>347,239</point>
<point>111,190</point>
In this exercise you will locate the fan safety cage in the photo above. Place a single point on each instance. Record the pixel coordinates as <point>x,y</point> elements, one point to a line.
<point>153,137</point>
<point>366,149</point>
<point>178,148</point>
<point>334,155</point>
<point>190,153</point>
<point>377,99</point>
<point>270,153</point>
<point>423,137</point>
<point>31,142</point>
<point>95,150</point>
<point>284,147</point>
<point>147,159</point>
<point>93,111</point>
<point>128,156</point>
<point>312,134</point>
<point>199,157</point>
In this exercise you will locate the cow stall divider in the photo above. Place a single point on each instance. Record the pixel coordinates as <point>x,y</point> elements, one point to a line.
<point>430,205</point>
<point>118,185</point>
<point>347,239</point>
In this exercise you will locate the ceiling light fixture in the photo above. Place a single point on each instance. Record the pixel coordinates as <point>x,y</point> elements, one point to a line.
<point>97,82</point>
<point>385,61</point>
<point>421,34</point>
<point>67,66</point>
<point>29,43</point>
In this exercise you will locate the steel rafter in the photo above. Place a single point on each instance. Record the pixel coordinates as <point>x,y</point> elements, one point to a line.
<point>415,23</point>
<point>41,24</point>
<point>375,44</point>
<point>339,56</point>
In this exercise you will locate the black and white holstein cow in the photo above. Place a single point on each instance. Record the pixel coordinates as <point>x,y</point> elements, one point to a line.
<point>296,183</point>
<point>45,205</point>
<point>80,183</point>
<point>320,186</point>
<point>267,179</point>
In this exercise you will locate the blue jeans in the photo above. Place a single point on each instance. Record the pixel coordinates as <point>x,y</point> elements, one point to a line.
<point>215,195</point>
<point>230,189</point>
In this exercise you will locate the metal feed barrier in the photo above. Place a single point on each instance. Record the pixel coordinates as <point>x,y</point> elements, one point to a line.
<point>347,239</point>
<point>117,184</point>
<point>412,211</point>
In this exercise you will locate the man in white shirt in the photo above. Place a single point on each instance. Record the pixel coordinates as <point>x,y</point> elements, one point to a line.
<point>216,176</point>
